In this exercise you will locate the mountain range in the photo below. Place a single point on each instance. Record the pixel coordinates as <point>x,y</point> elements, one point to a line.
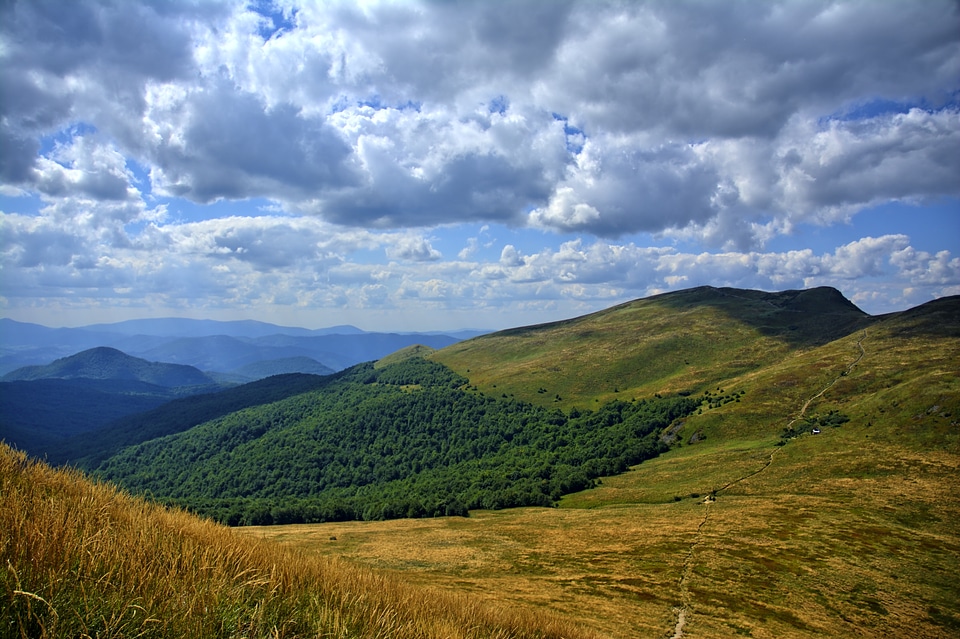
<point>746,463</point>
<point>233,350</point>
<point>657,351</point>
<point>40,406</point>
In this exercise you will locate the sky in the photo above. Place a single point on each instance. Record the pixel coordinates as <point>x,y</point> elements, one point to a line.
<point>405,166</point>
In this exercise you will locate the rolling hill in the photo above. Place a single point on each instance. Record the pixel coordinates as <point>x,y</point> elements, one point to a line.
<point>402,440</point>
<point>109,363</point>
<point>42,406</point>
<point>803,486</point>
<point>687,340</point>
<point>751,525</point>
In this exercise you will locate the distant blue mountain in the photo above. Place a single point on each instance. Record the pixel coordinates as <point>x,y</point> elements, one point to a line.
<point>283,366</point>
<point>212,346</point>
<point>182,327</point>
<point>223,354</point>
<point>42,405</point>
<point>104,363</point>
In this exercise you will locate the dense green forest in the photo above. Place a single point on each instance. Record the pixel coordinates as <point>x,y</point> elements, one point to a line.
<point>411,439</point>
<point>88,450</point>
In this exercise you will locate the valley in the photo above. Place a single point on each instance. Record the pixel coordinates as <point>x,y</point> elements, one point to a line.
<point>849,532</point>
<point>806,488</point>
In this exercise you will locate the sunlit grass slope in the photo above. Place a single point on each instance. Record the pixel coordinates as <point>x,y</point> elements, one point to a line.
<point>687,340</point>
<point>852,532</point>
<point>85,560</point>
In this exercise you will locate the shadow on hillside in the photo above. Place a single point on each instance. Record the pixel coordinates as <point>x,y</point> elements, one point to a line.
<point>802,319</point>
<point>937,318</point>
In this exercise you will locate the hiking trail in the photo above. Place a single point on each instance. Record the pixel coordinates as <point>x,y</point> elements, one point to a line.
<point>686,606</point>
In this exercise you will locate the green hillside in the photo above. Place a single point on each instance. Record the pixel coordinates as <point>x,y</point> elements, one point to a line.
<point>408,439</point>
<point>109,363</point>
<point>689,340</point>
<point>751,525</point>
<point>87,450</point>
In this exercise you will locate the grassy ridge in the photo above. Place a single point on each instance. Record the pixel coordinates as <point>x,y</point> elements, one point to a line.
<point>86,560</point>
<point>852,532</point>
<point>689,340</point>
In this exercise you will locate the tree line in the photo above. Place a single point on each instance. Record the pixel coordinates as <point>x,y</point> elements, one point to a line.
<point>411,439</point>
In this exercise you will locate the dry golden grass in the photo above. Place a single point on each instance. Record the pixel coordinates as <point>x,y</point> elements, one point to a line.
<point>84,560</point>
<point>781,554</point>
<point>850,533</point>
<point>613,570</point>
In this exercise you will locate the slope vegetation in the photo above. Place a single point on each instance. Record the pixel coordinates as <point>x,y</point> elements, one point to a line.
<point>84,560</point>
<point>89,449</point>
<point>687,340</point>
<point>751,525</point>
<point>408,439</point>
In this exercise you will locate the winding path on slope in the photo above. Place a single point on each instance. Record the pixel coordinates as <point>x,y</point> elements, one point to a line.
<point>688,562</point>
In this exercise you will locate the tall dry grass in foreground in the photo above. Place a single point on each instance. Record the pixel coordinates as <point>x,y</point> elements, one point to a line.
<point>85,560</point>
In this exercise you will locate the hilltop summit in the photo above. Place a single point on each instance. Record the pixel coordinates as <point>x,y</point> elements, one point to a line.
<point>109,363</point>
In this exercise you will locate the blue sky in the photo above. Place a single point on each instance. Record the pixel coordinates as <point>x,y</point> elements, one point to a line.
<point>424,166</point>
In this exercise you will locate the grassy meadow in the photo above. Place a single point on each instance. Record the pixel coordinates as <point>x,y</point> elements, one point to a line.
<point>750,526</point>
<point>85,560</point>
<point>854,532</point>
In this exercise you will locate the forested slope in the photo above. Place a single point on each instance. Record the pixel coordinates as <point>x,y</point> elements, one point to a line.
<point>409,439</point>
<point>89,449</point>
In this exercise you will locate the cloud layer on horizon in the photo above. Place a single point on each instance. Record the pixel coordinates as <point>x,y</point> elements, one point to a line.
<point>362,129</point>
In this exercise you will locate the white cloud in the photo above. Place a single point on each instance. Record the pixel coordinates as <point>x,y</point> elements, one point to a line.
<point>413,249</point>
<point>302,263</point>
<point>87,168</point>
<point>719,127</point>
<point>831,171</point>
<point>867,257</point>
<point>920,267</point>
<point>416,115</point>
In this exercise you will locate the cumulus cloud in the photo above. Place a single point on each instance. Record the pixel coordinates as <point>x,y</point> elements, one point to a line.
<point>844,165</point>
<point>304,263</point>
<point>610,272</point>
<point>219,142</point>
<point>85,167</point>
<point>716,127</point>
<point>84,61</point>
<point>600,118</point>
<point>413,249</point>
<point>618,187</point>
